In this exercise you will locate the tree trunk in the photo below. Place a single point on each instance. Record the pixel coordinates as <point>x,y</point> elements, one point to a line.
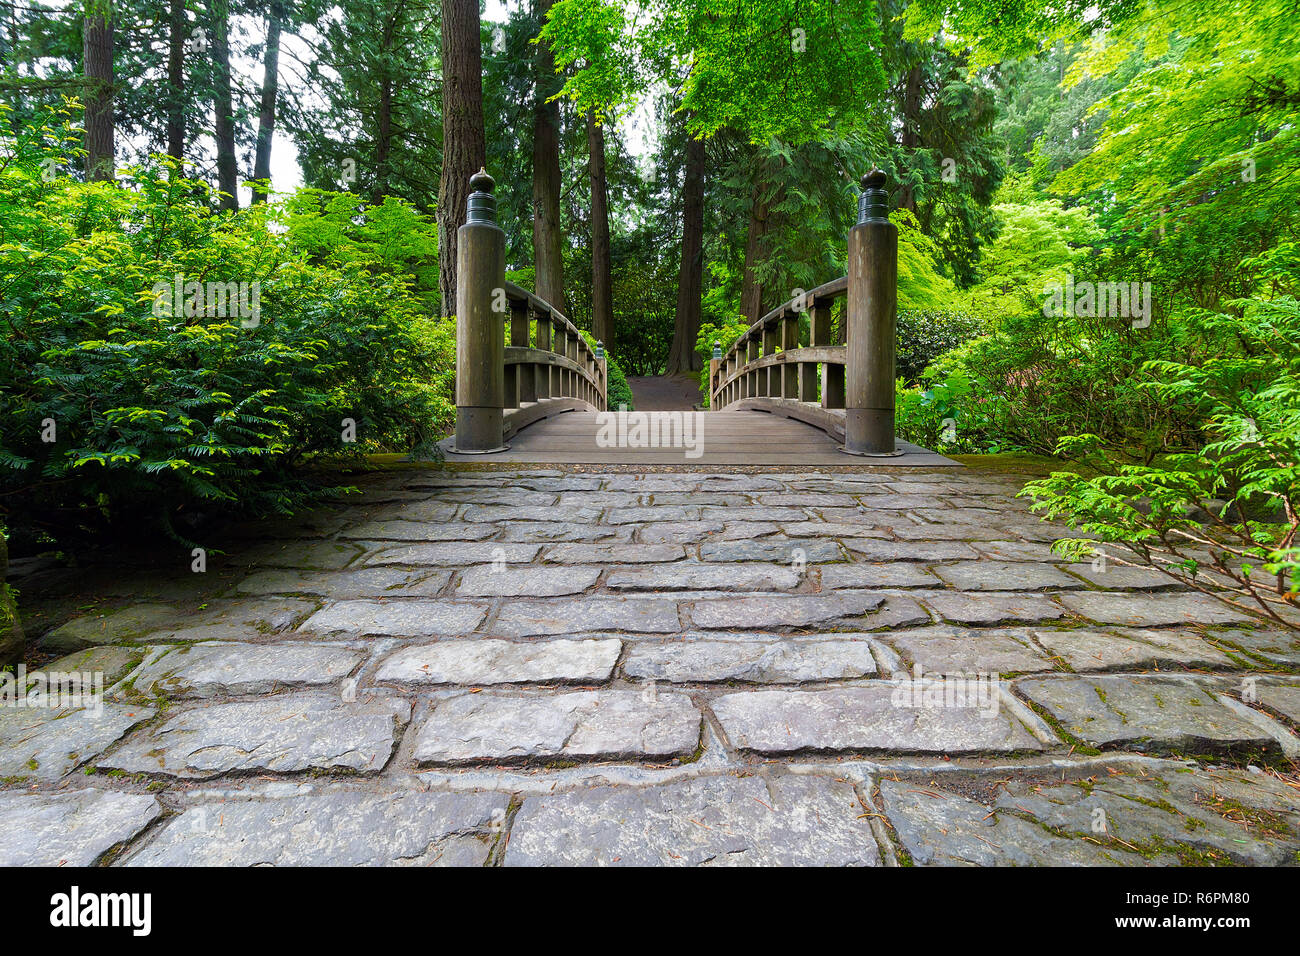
<point>223,108</point>
<point>682,357</point>
<point>911,138</point>
<point>97,51</point>
<point>602,295</point>
<point>547,256</point>
<point>266,115</point>
<point>751,290</point>
<point>463,146</point>
<point>176,81</point>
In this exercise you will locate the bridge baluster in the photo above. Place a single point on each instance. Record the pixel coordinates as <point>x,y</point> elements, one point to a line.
<point>480,323</point>
<point>872,317</point>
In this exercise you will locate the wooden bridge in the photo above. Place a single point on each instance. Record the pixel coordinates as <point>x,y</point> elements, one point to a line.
<point>795,388</point>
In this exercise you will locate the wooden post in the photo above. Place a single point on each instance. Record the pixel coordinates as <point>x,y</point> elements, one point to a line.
<point>525,383</point>
<point>769,381</point>
<point>480,323</point>
<point>714,362</point>
<point>872,315</point>
<point>543,344</point>
<point>790,342</point>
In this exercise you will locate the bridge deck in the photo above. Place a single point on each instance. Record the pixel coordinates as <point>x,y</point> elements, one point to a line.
<point>706,438</point>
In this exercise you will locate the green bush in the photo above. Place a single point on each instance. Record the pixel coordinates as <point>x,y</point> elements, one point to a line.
<point>617,391</point>
<point>724,333</point>
<point>1232,506</point>
<point>925,334</point>
<point>122,402</point>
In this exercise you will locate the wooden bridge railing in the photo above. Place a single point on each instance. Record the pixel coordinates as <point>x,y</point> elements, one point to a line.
<point>546,368</point>
<point>853,396</point>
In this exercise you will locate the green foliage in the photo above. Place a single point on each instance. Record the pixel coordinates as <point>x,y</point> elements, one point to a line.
<point>923,335</point>
<point>165,407</point>
<point>617,391</point>
<point>724,333</point>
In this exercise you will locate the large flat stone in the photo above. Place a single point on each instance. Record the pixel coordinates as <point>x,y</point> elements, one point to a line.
<point>877,717</point>
<point>784,611</point>
<point>455,554</point>
<point>314,555</point>
<point>1271,645</point>
<point>414,618</point>
<point>1088,650</point>
<point>281,734</point>
<point>1005,576</point>
<point>484,661</point>
<point>621,553</point>
<point>73,828</point>
<point>45,743</point>
<point>214,670</point>
<point>979,608</point>
<point>429,531</point>
<point>1144,714</point>
<point>875,550</point>
<point>949,650</point>
<point>784,551</point>
<point>638,615</point>
<point>334,829</point>
<point>525,581</point>
<point>110,663</point>
<point>235,620</point>
<point>774,820</point>
<point>682,575</point>
<point>606,724</point>
<point>1150,610</point>
<point>769,662</point>
<point>1179,816</point>
<point>362,583</point>
<point>894,575</point>
<point>1282,698</point>
<point>120,626</point>
<point>939,828</point>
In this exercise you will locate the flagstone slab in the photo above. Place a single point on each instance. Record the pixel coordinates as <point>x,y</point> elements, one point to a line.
<point>547,532</point>
<point>992,608</point>
<point>1139,609</point>
<point>45,744</point>
<point>1121,577</point>
<point>762,610</point>
<point>892,717</point>
<point>72,828</point>
<point>403,530</point>
<point>874,550</point>
<point>1131,649</point>
<point>623,553</point>
<point>119,626</point>
<point>449,553</point>
<point>1190,816</point>
<point>636,614</point>
<point>1005,576</point>
<point>111,663</point>
<point>305,555</point>
<point>1283,698</point>
<point>950,650</point>
<point>489,661</point>
<point>1280,646</point>
<point>486,580</point>
<point>939,828</point>
<point>230,669</point>
<point>365,582</point>
<point>608,724</point>
<point>283,733</point>
<point>504,513</point>
<point>773,820</point>
<point>412,618</point>
<point>333,829</point>
<point>683,575</point>
<point>1144,714</point>
<point>894,575</point>
<point>235,620</point>
<point>771,662</point>
<point>783,551</point>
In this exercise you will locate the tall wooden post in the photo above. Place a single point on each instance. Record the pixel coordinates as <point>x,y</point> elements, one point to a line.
<point>872,317</point>
<point>481,309</point>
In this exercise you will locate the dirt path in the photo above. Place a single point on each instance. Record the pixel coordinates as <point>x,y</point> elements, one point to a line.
<point>665,393</point>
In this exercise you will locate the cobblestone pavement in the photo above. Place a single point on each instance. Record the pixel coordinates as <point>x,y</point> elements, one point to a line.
<point>869,667</point>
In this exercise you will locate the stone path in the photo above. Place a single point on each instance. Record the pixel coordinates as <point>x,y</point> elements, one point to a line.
<point>515,668</point>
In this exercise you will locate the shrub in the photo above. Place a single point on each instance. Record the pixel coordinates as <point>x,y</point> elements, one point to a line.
<point>617,391</point>
<point>710,332</point>
<point>121,401</point>
<point>925,334</point>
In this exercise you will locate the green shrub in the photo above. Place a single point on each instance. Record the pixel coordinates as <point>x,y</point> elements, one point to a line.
<point>617,391</point>
<point>122,402</point>
<point>925,334</point>
<point>724,333</point>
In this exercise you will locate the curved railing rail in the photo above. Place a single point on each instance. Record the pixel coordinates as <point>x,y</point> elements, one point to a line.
<point>846,390</point>
<point>547,367</point>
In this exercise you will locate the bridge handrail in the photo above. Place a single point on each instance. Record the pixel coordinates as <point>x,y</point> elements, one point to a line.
<point>547,368</point>
<point>853,395</point>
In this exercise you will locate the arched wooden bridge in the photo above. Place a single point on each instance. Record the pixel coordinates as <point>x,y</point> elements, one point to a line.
<point>531,388</point>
